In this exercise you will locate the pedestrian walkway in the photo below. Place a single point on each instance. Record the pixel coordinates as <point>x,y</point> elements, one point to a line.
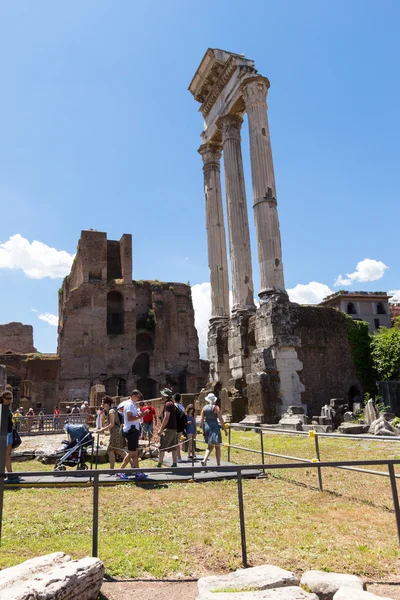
<point>163,476</point>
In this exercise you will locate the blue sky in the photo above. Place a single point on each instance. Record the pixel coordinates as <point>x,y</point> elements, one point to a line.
<point>99,131</point>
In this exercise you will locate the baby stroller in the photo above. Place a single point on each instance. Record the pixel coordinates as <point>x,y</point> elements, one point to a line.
<point>74,452</point>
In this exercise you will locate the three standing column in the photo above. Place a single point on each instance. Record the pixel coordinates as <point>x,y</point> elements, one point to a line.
<point>238,223</point>
<point>255,92</point>
<point>217,256</point>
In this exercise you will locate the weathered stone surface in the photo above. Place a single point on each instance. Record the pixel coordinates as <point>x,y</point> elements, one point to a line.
<point>283,593</point>
<point>14,575</point>
<point>325,585</point>
<point>348,416</point>
<point>370,412</point>
<point>17,338</point>
<point>53,577</point>
<point>261,578</point>
<point>353,428</point>
<point>348,593</point>
<point>382,427</point>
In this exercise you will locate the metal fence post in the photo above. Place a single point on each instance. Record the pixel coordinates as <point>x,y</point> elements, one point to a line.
<point>241,515</point>
<point>229,443</point>
<point>95,532</point>
<point>262,448</point>
<point>395,497</point>
<point>3,445</point>
<point>318,459</point>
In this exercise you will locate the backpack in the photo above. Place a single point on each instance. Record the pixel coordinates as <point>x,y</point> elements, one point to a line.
<point>181,420</point>
<point>119,418</point>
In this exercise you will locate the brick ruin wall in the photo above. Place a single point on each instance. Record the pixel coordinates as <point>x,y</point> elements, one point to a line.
<point>328,369</point>
<point>17,338</point>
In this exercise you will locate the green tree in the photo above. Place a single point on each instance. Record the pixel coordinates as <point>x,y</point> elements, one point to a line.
<point>360,346</point>
<point>385,352</point>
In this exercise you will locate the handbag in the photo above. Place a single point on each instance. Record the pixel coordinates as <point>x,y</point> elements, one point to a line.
<point>16,439</point>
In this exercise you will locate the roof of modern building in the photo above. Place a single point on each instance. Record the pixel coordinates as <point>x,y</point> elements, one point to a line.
<point>359,295</point>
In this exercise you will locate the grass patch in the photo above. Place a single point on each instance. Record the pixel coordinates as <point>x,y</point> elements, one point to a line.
<point>194,529</point>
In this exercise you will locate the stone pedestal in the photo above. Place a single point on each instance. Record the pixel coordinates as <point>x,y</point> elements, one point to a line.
<point>217,351</point>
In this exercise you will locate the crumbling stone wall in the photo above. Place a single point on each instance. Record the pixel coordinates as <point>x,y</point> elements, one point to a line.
<point>123,333</point>
<point>328,369</point>
<point>17,338</point>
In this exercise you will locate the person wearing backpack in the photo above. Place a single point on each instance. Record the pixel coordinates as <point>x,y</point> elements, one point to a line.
<point>114,426</point>
<point>181,421</point>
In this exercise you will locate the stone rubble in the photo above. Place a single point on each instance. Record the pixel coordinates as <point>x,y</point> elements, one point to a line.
<point>348,593</point>
<point>268,582</point>
<point>262,578</point>
<point>53,577</point>
<point>325,585</point>
<point>382,427</point>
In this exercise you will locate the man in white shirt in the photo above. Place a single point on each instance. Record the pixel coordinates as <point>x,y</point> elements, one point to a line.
<point>130,431</point>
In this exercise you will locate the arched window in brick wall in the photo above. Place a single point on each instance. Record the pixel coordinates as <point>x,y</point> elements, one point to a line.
<point>115,313</point>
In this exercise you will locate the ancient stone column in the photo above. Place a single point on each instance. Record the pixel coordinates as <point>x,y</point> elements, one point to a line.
<point>217,256</point>
<point>238,222</point>
<point>255,92</point>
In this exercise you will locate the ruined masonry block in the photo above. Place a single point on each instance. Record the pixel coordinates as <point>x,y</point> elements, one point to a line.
<point>283,593</point>
<point>261,578</point>
<point>325,585</point>
<point>348,593</point>
<point>53,577</point>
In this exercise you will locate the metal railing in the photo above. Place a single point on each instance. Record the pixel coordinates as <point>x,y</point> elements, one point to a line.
<point>41,425</point>
<point>94,477</point>
<point>309,434</point>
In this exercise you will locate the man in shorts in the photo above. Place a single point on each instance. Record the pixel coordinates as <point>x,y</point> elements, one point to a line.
<point>168,430</point>
<point>130,432</point>
<point>148,419</point>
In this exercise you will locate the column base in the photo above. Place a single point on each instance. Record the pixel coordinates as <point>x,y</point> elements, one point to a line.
<point>218,319</point>
<point>268,294</point>
<point>239,309</point>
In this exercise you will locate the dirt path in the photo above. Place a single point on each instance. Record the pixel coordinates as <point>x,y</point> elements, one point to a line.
<point>187,590</point>
<point>146,590</point>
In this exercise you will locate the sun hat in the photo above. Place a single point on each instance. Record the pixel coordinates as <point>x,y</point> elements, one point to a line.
<point>211,399</point>
<point>166,392</point>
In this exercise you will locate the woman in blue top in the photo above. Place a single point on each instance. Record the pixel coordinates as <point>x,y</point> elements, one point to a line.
<point>211,423</point>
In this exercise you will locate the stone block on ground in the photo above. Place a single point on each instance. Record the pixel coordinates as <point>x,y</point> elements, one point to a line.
<point>353,429</point>
<point>382,427</point>
<point>325,585</point>
<point>348,593</point>
<point>53,577</point>
<point>282,593</point>
<point>258,578</point>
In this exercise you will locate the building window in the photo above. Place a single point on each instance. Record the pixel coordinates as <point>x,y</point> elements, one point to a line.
<point>351,309</point>
<point>377,323</point>
<point>115,313</point>
<point>380,309</point>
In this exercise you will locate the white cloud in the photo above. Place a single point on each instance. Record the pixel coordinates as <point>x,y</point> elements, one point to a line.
<point>395,296</point>
<point>49,318</point>
<point>201,296</point>
<point>366,270</point>
<point>36,260</point>
<point>312,293</point>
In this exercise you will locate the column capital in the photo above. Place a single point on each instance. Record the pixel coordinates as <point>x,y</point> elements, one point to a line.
<point>255,90</point>
<point>230,126</point>
<point>211,153</point>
